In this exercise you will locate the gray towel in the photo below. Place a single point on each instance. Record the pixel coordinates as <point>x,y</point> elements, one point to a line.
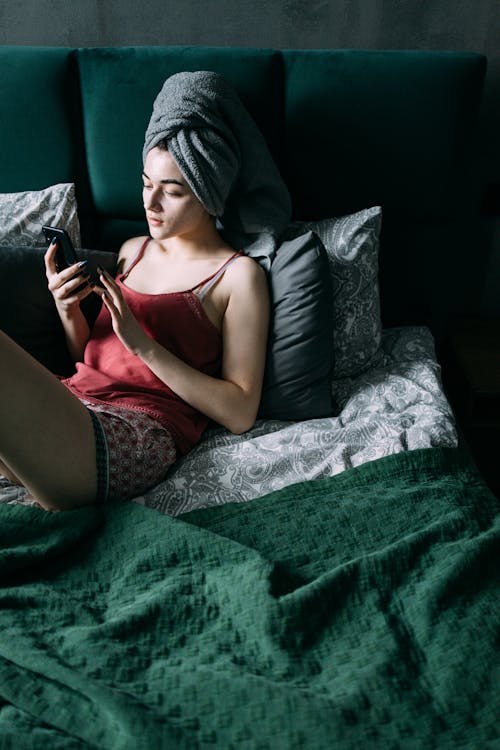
<point>224,158</point>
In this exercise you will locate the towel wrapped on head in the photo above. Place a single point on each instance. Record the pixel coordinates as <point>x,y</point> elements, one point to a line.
<point>224,159</point>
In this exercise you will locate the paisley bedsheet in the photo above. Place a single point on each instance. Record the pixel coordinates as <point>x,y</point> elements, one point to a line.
<point>396,405</point>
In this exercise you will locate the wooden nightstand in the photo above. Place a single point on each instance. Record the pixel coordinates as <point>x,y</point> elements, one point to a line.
<point>471,374</point>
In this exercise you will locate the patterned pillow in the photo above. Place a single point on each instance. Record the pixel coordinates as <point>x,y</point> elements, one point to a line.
<point>22,215</point>
<point>352,244</point>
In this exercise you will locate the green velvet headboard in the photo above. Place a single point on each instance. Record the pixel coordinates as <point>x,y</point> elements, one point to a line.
<point>348,128</point>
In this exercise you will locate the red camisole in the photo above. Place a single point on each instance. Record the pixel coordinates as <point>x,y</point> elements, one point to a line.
<point>112,375</point>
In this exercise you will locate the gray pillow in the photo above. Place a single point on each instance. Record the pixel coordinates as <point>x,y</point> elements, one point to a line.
<point>297,380</point>
<point>27,310</point>
<point>352,245</point>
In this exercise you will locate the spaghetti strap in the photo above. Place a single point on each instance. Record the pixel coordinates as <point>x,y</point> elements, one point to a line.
<point>206,283</point>
<point>136,260</point>
<point>209,282</point>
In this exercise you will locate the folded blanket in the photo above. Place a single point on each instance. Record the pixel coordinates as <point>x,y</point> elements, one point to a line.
<point>224,158</point>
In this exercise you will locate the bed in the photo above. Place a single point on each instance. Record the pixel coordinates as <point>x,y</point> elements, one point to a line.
<point>329,578</point>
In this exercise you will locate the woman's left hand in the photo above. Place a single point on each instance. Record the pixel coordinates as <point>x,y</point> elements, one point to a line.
<point>125,324</point>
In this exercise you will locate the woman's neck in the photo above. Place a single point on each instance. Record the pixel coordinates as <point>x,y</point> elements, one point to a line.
<point>196,245</point>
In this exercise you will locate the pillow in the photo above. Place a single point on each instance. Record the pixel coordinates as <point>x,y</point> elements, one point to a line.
<point>297,379</point>
<point>22,215</point>
<point>27,309</point>
<point>352,244</point>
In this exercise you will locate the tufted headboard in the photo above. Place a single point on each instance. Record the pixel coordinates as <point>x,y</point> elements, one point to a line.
<point>349,129</point>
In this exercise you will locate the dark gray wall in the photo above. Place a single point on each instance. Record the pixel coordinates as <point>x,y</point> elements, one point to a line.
<point>469,25</point>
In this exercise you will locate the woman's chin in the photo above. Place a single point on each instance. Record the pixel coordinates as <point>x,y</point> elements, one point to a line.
<point>157,230</point>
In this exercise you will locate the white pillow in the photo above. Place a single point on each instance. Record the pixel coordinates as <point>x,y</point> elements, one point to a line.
<point>352,244</point>
<point>22,215</point>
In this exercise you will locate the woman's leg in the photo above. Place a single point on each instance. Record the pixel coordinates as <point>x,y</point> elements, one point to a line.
<point>46,434</point>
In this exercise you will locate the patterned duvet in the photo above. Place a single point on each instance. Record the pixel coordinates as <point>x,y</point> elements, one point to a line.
<point>396,405</point>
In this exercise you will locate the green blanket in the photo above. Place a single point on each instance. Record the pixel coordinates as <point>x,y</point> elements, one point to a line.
<point>354,612</point>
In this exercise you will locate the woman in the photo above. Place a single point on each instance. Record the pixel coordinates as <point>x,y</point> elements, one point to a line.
<point>181,336</point>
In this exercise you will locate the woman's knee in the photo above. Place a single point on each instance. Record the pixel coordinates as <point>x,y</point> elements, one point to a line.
<point>8,474</point>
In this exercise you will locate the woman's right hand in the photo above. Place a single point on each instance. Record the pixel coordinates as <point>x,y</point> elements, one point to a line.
<point>68,287</point>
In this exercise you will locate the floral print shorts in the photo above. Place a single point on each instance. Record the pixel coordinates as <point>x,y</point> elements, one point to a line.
<point>134,451</point>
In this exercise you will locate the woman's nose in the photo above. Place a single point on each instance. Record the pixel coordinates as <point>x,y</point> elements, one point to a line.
<point>151,199</point>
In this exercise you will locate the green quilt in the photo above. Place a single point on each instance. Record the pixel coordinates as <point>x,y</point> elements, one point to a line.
<point>360,611</point>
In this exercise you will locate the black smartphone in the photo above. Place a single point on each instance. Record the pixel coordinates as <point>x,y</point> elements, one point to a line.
<point>66,254</point>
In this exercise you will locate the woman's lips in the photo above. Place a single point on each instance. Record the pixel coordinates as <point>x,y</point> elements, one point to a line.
<point>153,221</point>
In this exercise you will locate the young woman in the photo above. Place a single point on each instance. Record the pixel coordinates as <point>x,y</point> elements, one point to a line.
<point>181,336</point>
<point>180,340</point>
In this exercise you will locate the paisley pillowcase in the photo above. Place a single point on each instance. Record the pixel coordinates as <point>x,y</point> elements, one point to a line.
<point>22,215</point>
<point>352,244</point>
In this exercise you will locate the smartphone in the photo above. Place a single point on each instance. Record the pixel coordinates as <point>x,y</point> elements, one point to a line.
<point>66,254</point>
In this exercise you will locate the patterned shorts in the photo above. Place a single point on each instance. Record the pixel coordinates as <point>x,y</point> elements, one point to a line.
<point>134,451</point>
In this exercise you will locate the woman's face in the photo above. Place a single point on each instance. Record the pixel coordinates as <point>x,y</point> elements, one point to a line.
<point>172,209</point>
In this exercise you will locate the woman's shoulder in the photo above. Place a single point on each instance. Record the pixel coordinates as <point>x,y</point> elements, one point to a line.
<point>248,267</point>
<point>129,250</point>
<point>245,273</point>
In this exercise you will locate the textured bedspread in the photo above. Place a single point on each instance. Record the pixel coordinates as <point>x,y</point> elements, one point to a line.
<point>359,611</point>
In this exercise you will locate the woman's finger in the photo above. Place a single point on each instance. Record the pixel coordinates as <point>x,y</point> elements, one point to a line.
<point>111,288</point>
<point>108,301</point>
<point>75,282</point>
<point>74,273</point>
<point>51,262</point>
<point>108,290</point>
<point>107,279</point>
<point>79,296</point>
<point>50,258</point>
